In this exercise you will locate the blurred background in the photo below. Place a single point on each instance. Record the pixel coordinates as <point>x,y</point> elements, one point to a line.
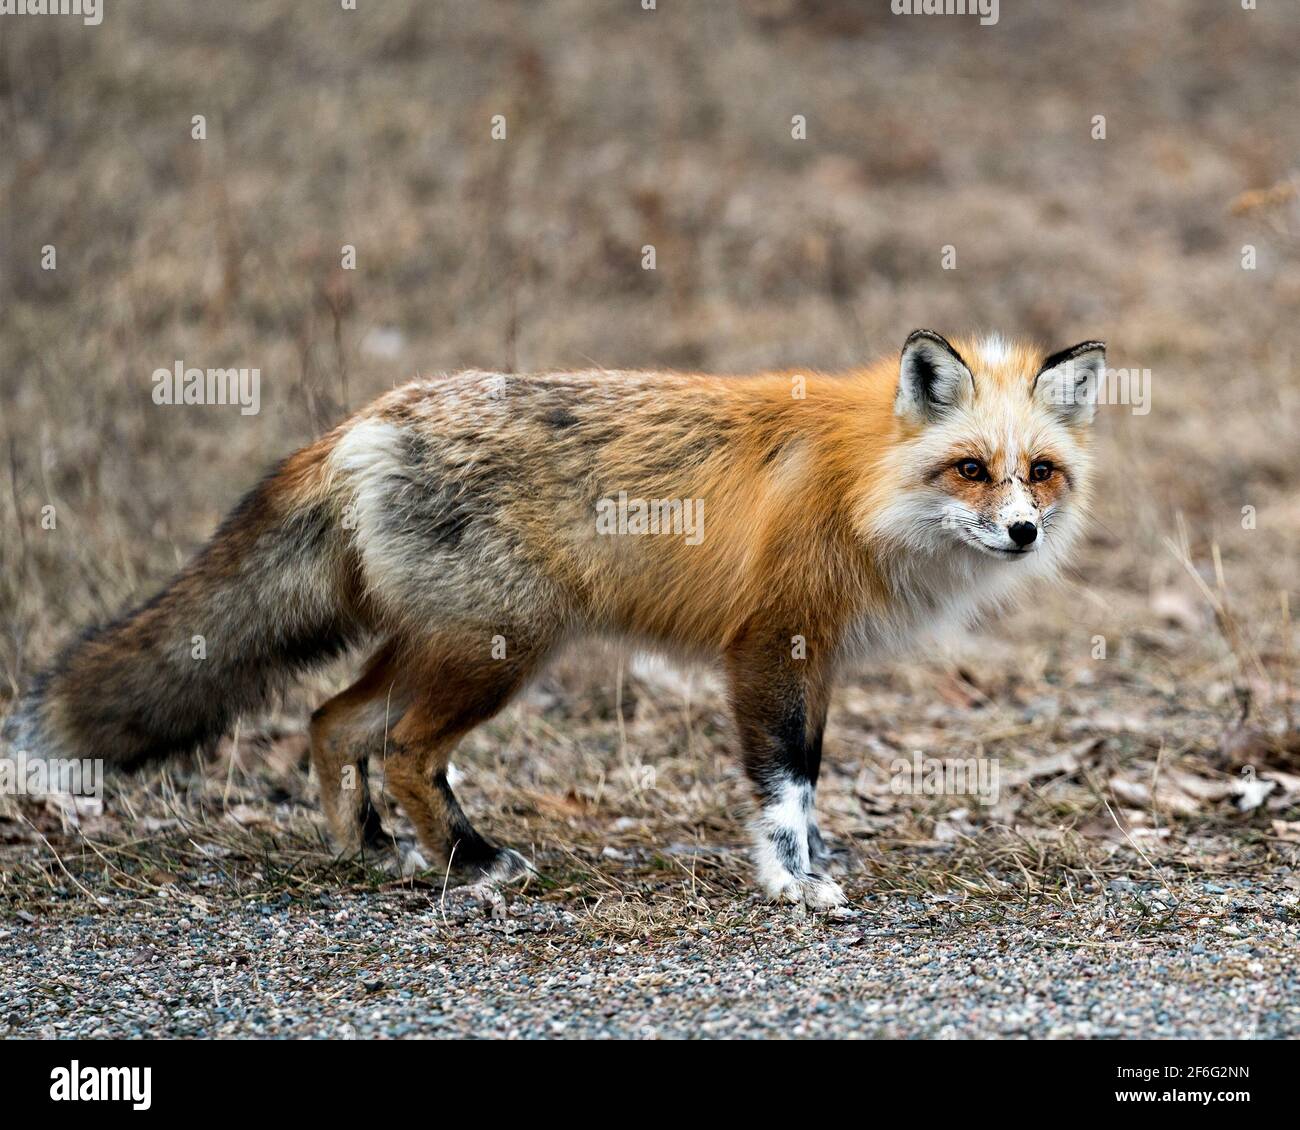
<point>673,127</point>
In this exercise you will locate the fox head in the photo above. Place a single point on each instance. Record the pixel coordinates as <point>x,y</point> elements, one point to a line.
<point>993,454</point>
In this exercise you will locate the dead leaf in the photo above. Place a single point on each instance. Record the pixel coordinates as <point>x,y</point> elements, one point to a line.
<point>1255,198</point>
<point>1201,788</point>
<point>1067,761</point>
<point>1165,800</point>
<point>246,816</point>
<point>1252,792</point>
<point>564,806</point>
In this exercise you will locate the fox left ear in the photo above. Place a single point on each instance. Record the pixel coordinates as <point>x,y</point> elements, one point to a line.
<point>932,378</point>
<point>1067,381</point>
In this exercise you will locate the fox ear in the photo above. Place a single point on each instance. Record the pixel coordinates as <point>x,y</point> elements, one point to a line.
<point>1068,381</point>
<point>932,378</point>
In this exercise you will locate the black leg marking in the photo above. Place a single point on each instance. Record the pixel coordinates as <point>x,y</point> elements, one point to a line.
<point>471,852</point>
<point>781,742</point>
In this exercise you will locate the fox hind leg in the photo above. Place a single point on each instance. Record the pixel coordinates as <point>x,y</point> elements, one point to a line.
<point>345,732</point>
<point>444,829</point>
<point>462,695</point>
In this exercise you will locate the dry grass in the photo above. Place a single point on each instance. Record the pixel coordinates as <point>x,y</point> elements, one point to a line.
<point>672,128</point>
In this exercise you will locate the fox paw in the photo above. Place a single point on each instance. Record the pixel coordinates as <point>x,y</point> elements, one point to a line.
<point>785,841</point>
<point>503,868</point>
<point>822,858</point>
<point>506,867</point>
<point>400,860</point>
<point>810,890</point>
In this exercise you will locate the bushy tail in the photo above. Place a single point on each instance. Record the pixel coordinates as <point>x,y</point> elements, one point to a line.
<point>268,596</point>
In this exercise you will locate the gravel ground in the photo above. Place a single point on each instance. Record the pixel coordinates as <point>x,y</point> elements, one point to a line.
<point>1115,889</point>
<point>411,962</point>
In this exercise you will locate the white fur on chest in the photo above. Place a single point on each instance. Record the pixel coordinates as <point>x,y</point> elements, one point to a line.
<point>933,595</point>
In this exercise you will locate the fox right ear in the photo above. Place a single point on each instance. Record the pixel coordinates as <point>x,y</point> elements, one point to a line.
<point>1068,381</point>
<point>932,378</point>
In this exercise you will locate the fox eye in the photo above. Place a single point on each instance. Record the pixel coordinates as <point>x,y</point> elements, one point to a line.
<point>972,469</point>
<point>1041,471</point>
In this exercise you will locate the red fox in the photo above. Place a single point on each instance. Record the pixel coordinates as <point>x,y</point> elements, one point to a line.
<point>461,529</point>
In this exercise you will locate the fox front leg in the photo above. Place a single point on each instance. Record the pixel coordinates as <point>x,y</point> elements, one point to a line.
<point>779,700</point>
<point>820,855</point>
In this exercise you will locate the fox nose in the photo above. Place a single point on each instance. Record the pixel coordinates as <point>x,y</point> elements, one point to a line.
<point>1022,533</point>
